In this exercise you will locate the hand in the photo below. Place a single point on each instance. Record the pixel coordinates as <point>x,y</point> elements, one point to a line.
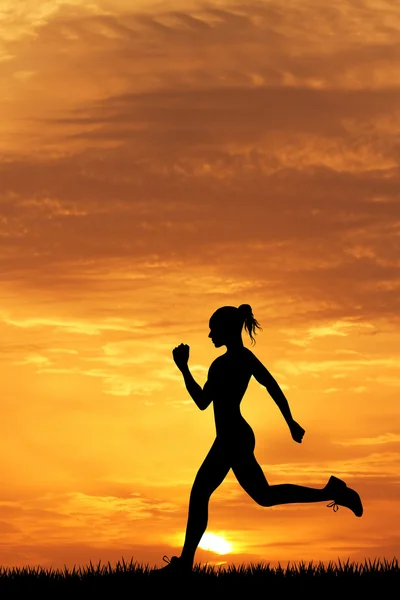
<point>181,356</point>
<point>297,432</point>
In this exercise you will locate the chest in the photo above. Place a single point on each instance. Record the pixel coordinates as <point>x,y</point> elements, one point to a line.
<point>228,372</point>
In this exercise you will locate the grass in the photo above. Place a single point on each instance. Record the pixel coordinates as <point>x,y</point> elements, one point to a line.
<point>135,580</point>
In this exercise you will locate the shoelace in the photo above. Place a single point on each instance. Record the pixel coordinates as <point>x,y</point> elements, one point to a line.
<point>333,505</point>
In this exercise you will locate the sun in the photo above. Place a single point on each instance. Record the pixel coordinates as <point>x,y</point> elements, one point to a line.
<point>215,543</point>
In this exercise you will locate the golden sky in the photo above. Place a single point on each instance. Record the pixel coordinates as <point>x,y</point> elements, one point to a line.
<point>158,161</point>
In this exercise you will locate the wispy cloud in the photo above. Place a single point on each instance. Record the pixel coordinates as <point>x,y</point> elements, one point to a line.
<point>386,438</point>
<point>300,367</point>
<point>87,328</point>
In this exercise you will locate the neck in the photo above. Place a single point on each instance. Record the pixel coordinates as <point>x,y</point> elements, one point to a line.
<point>234,345</point>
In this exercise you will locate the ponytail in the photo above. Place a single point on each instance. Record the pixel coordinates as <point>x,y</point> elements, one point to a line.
<point>248,321</point>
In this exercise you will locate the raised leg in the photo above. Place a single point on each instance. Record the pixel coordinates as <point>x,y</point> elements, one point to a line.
<point>252,479</point>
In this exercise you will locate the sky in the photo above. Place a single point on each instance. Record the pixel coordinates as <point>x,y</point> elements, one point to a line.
<point>160,160</point>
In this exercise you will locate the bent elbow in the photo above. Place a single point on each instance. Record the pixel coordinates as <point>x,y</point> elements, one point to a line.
<point>199,401</point>
<point>205,402</point>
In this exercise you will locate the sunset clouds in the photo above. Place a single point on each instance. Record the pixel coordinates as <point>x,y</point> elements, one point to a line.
<point>159,160</point>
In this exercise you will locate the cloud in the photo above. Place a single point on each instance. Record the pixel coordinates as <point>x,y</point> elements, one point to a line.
<point>374,466</point>
<point>87,328</point>
<point>35,359</point>
<point>151,158</point>
<point>386,438</point>
<point>333,365</point>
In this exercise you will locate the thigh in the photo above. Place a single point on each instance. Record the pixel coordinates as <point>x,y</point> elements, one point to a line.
<point>214,469</point>
<point>240,449</point>
<point>251,477</point>
<point>237,441</point>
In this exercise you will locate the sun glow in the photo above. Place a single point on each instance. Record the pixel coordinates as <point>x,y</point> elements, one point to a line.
<point>215,543</point>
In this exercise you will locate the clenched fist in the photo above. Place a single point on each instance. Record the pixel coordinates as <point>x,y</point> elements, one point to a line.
<point>181,356</point>
<point>296,431</point>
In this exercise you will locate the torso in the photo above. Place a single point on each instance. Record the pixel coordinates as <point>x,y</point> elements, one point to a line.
<point>229,377</point>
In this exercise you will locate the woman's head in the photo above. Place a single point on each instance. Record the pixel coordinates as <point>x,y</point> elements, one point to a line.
<point>228,321</point>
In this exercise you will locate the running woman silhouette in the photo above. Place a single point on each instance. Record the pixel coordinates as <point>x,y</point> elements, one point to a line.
<point>233,448</point>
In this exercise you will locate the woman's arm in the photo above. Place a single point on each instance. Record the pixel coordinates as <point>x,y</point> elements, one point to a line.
<point>264,377</point>
<point>201,396</point>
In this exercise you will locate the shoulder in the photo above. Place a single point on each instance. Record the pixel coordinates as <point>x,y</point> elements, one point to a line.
<point>254,364</point>
<point>248,351</point>
<point>258,369</point>
<point>249,355</point>
<point>215,363</point>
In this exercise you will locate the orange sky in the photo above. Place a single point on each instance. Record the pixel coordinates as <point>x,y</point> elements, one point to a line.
<point>159,160</point>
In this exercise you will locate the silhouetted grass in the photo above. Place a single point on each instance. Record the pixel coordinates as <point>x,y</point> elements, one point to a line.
<point>136,581</point>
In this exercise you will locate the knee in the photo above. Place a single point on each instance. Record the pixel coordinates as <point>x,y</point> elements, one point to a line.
<point>263,498</point>
<point>265,501</point>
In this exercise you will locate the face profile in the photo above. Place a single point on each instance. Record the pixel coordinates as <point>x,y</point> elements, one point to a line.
<point>218,333</point>
<point>226,327</point>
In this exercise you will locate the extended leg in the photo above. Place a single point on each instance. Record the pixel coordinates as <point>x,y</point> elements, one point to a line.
<point>210,475</point>
<point>252,479</point>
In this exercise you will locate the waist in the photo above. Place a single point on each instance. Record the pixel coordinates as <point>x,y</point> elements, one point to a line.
<point>227,424</point>
<point>236,437</point>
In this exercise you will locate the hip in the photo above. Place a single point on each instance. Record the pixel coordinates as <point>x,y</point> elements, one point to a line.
<point>236,433</point>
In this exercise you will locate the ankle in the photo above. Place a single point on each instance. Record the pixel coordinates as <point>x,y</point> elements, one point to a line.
<point>186,561</point>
